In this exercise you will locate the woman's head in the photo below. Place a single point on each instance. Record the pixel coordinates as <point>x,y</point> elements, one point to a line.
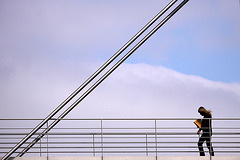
<point>203,111</point>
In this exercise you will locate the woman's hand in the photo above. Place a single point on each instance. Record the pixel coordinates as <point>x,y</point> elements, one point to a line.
<point>199,131</point>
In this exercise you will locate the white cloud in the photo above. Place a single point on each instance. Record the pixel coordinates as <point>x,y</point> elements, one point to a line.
<point>134,90</point>
<point>142,90</point>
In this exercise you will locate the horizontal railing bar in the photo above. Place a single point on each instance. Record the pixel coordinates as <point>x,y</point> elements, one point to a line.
<point>130,136</point>
<point>124,147</point>
<point>126,142</point>
<point>106,128</point>
<point>125,133</point>
<point>125,152</point>
<point>123,119</point>
<point>169,128</point>
<point>44,138</point>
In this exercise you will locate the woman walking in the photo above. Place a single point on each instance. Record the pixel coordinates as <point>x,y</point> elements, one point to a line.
<point>206,128</point>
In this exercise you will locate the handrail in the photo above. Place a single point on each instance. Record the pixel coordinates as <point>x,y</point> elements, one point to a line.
<point>129,137</point>
<point>112,119</point>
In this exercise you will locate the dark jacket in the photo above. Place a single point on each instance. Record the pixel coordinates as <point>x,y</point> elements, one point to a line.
<point>207,124</point>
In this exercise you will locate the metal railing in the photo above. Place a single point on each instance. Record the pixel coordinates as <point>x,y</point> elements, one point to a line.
<point>131,137</point>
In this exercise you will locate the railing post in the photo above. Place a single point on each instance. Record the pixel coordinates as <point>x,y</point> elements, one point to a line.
<point>210,136</point>
<point>156,138</point>
<point>47,139</point>
<point>94,145</point>
<point>146,145</point>
<point>102,136</point>
<point>40,148</point>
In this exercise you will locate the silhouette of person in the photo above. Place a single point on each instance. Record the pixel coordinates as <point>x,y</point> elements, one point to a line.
<point>206,128</point>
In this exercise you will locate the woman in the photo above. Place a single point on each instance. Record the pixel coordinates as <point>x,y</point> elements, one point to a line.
<point>206,128</point>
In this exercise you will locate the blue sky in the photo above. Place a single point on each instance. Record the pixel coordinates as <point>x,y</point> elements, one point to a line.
<point>48,48</point>
<point>204,42</point>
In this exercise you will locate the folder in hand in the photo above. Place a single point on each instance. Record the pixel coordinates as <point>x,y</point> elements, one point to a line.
<point>198,123</point>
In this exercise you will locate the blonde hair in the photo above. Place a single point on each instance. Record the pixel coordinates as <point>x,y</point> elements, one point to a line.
<point>204,110</point>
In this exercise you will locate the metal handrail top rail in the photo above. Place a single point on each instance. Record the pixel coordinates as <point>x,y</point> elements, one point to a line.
<point>118,119</point>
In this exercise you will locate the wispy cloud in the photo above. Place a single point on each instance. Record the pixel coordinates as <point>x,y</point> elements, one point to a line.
<point>145,91</point>
<point>138,90</point>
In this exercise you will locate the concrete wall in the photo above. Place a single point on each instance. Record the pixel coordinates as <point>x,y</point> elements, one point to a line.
<point>132,158</point>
